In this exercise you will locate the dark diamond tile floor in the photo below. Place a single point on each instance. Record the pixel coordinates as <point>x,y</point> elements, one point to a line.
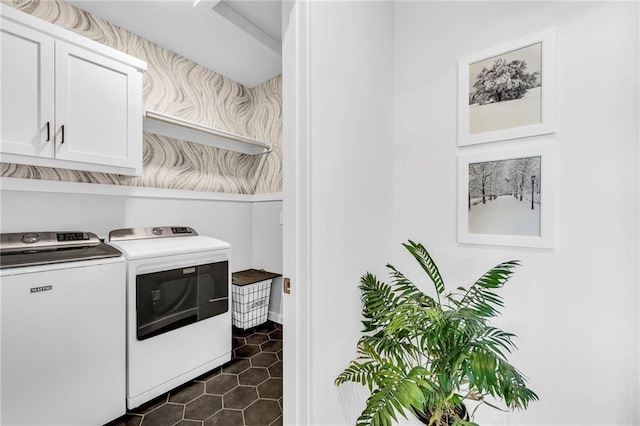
<point>247,391</point>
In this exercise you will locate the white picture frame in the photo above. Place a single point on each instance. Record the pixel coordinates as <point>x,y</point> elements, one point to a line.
<point>482,116</point>
<point>493,223</point>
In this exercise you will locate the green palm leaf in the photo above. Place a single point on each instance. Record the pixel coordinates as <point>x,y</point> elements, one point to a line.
<point>378,300</point>
<point>400,390</point>
<point>426,262</point>
<point>407,291</point>
<point>364,373</point>
<point>480,298</point>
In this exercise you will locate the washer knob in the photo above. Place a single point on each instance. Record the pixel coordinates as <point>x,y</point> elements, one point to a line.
<point>30,238</point>
<point>156,231</point>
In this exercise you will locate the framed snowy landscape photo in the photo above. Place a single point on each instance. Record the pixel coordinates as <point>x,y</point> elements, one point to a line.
<point>508,91</point>
<point>507,197</point>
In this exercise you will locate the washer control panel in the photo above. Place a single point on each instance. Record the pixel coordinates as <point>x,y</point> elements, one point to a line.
<point>41,241</point>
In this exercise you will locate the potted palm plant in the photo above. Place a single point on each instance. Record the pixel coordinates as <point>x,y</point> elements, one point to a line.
<point>429,354</point>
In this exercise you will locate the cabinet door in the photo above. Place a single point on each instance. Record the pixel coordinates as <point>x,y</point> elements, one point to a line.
<point>98,108</point>
<point>26,91</point>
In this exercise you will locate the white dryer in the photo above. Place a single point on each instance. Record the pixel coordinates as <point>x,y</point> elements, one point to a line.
<point>178,308</point>
<point>63,337</point>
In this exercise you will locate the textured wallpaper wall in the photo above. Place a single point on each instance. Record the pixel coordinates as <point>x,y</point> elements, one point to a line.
<point>174,85</point>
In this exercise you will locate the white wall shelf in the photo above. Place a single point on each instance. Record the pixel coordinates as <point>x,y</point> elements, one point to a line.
<point>174,127</point>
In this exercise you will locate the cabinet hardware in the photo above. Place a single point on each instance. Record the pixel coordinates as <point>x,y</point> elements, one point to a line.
<point>62,141</point>
<point>48,131</point>
<point>287,286</point>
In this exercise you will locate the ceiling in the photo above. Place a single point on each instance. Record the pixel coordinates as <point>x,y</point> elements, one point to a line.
<point>240,39</point>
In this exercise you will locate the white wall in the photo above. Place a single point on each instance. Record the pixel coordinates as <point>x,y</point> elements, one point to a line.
<point>574,308</point>
<point>42,211</point>
<point>254,232</point>
<point>350,184</point>
<point>267,249</point>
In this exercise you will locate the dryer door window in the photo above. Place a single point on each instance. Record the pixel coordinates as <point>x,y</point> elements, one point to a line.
<point>171,299</point>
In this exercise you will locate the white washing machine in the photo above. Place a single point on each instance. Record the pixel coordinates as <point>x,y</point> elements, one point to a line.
<point>178,307</point>
<point>62,298</point>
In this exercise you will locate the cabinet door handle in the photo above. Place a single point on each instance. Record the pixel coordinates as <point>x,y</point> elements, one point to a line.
<point>48,131</point>
<point>62,128</point>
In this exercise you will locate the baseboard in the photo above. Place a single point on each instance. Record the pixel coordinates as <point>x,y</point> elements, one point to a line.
<point>275,317</point>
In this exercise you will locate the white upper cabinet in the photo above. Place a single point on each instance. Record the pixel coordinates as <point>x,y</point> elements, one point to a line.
<point>67,101</point>
<point>95,106</point>
<point>26,91</point>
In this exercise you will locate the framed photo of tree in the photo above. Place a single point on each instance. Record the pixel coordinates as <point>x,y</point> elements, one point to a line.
<point>507,197</point>
<point>508,91</point>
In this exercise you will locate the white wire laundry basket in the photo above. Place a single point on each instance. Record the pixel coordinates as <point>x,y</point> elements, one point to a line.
<point>250,297</point>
